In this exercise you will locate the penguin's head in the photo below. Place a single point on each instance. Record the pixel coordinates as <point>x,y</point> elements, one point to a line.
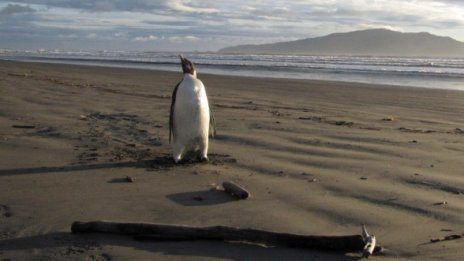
<point>187,66</point>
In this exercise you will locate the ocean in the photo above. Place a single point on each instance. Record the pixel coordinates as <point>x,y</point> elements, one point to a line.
<point>438,73</point>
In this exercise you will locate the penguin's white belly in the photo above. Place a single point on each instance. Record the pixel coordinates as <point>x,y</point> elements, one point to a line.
<point>191,120</point>
<point>191,116</point>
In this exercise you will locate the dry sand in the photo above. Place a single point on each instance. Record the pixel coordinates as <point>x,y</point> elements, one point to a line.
<point>318,157</point>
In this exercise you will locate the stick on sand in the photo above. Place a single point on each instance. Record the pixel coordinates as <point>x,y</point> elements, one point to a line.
<point>235,189</point>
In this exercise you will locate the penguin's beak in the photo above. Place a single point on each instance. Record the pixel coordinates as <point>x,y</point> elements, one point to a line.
<point>183,61</point>
<point>187,66</point>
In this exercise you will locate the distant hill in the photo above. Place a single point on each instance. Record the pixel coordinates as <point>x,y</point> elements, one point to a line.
<point>375,42</point>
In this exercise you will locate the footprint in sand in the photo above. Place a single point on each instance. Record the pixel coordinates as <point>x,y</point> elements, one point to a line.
<point>5,211</point>
<point>118,137</point>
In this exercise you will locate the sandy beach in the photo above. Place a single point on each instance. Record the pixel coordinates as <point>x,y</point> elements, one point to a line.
<point>319,158</point>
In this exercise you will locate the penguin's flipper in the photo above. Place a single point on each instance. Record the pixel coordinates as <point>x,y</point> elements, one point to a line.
<point>172,129</point>
<point>212,125</point>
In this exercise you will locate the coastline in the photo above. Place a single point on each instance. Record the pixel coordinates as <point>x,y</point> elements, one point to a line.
<point>319,158</point>
<point>421,72</point>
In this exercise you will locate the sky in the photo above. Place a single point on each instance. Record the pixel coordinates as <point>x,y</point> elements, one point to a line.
<point>208,25</point>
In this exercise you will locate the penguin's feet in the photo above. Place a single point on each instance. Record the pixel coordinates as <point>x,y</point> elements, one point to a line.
<point>203,159</point>
<point>177,160</point>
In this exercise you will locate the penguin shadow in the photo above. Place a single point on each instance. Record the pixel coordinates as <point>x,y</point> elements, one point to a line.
<point>166,161</point>
<point>201,198</point>
<point>160,162</point>
<point>119,180</point>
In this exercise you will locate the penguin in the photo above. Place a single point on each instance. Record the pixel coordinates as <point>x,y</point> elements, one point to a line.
<point>190,120</point>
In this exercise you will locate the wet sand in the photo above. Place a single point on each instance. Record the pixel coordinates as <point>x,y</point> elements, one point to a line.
<point>319,158</point>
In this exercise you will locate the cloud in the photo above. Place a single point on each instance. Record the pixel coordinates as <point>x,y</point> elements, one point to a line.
<point>103,6</point>
<point>185,6</point>
<point>68,36</point>
<point>210,25</point>
<point>11,9</point>
<point>181,39</point>
<point>189,7</point>
<point>145,38</point>
<point>91,35</point>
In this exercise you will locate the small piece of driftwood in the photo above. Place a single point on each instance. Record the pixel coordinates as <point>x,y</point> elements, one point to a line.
<point>236,190</point>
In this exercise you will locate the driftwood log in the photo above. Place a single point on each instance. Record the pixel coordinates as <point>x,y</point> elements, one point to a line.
<point>370,242</point>
<point>345,244</point>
